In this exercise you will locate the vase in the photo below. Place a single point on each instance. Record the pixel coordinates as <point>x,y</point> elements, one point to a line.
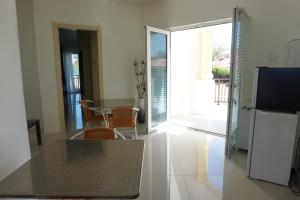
<point>141,114</point>
<point>141,103</point>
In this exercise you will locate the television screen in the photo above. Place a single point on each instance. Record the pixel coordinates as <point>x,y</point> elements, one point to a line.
<point>278,89</point>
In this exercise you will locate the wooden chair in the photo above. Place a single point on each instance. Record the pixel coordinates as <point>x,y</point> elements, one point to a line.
<point>89,115</point>
<point>124,117</point>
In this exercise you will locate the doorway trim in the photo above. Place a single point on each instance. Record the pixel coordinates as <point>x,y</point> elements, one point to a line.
<point>191,27</point>
<point>200,25</point>
<point>57,54</point>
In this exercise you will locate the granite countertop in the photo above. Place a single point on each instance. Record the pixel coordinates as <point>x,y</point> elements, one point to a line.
<point>80,169</point>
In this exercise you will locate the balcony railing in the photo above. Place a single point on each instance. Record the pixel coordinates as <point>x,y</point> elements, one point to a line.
<point>221,90</point>
<point>77,82</point>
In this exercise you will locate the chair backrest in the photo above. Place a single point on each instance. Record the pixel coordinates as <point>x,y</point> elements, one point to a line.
<point>88,114</point>
<point>99,134</point>
<point>122,117</point>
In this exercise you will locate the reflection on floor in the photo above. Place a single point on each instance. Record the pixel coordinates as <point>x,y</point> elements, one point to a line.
<point>181,164</point>
<point>73,114</point>
<point>213,119</point>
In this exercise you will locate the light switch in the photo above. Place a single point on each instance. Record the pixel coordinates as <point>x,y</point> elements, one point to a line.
<point>273,58</point>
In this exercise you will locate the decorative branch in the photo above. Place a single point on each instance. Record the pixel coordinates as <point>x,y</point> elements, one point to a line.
<point>139,68</point>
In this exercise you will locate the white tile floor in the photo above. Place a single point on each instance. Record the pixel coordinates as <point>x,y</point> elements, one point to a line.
<point>213,119</point>
<point>181,164</point>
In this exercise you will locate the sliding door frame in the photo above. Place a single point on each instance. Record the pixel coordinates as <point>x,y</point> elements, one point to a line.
<point>200,25</point>
<point>235,66</point>
<point>150,29</point>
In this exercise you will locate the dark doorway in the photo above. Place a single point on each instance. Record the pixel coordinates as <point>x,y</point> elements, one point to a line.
<point>80,78</point>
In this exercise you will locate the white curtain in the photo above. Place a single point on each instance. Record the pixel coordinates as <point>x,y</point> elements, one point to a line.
<point>68,69</point>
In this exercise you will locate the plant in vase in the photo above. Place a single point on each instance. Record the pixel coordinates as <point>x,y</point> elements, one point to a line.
<point>139,68</point>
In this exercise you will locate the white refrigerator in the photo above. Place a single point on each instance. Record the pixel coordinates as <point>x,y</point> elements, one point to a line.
<point>271,145</point>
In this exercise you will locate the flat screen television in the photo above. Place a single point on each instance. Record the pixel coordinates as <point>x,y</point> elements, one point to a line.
<point>278,89</point>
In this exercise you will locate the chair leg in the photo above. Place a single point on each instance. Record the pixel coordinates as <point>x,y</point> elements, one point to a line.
<point>87,125</point>
<point>119,134</point>
<point>135,132</point>
<point>105,117</point>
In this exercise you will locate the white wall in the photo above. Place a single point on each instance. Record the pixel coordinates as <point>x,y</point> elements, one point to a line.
<point>121,43</point>
<point>14,144</point>
<point>272,25</point>
<point>29,60</point>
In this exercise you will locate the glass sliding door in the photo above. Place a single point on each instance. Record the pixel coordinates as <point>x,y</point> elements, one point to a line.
<point>238,62</point>
<point>157,76</point>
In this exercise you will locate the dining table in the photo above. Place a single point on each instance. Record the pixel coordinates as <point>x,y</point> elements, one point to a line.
<point>108,104</point>
<point>105,106</point>
<point>79,169</point>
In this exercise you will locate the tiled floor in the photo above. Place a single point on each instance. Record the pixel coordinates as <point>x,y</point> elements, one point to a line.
<point>213,119</point>
<point>181,164</point>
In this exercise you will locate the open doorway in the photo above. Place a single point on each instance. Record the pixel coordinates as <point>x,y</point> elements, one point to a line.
<point>78,70</point>
<point>200,77</point>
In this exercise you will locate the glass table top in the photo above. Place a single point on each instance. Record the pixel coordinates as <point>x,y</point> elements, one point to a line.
<point>83,169</point>
<point>110,103</point>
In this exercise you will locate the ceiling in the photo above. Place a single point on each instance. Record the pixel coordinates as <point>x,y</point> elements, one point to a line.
<point>137,2</point>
